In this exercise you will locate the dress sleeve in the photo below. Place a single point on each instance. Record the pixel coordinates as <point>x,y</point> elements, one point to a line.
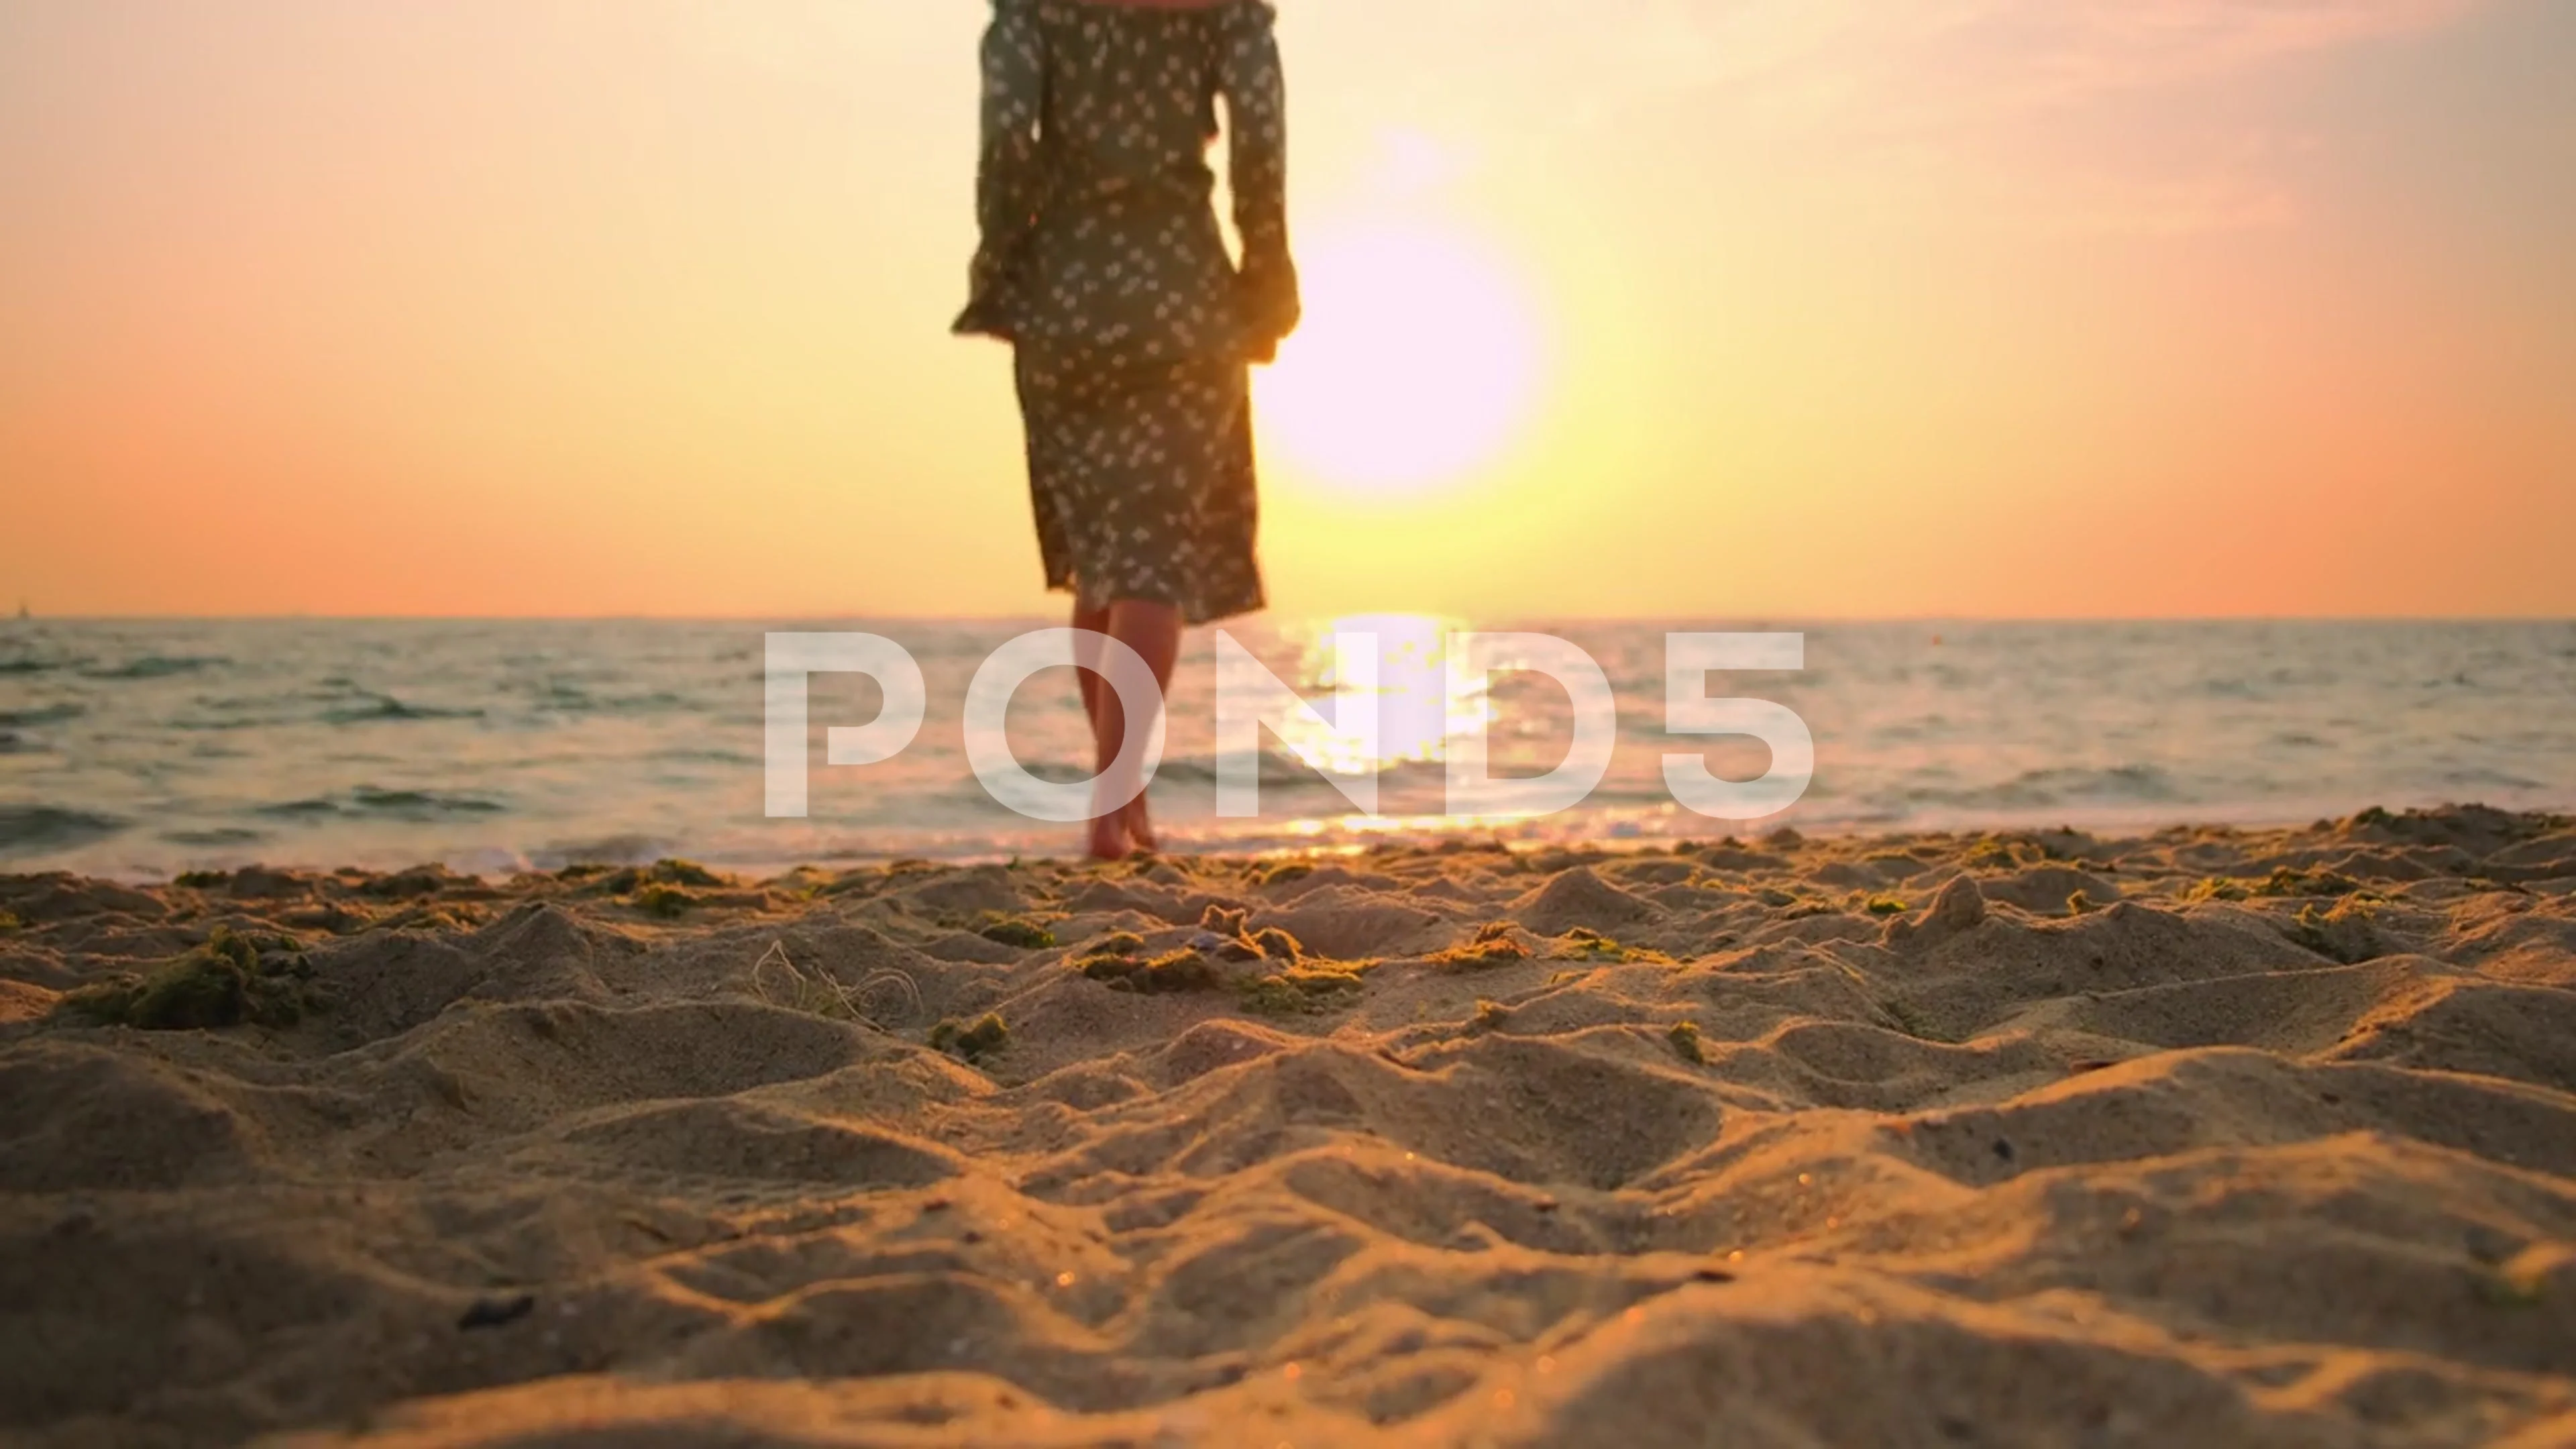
<point>1008,176</point>
<point>1256,102</point>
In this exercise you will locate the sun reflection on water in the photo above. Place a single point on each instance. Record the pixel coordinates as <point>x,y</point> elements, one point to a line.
<point>1416,704</point>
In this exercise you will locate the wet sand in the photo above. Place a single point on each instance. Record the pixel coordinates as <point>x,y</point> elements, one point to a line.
<point>2207,1137</point>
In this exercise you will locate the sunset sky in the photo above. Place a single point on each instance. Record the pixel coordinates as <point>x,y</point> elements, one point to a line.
<point>1769,308</point>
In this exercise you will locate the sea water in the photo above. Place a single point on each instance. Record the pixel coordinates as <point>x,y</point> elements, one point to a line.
<point>142,749</point>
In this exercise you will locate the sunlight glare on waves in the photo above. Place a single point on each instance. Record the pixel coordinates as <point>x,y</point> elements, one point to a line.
<point>1417,705</point>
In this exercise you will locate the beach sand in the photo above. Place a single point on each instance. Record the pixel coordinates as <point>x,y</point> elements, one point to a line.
<point>2207,1137</point>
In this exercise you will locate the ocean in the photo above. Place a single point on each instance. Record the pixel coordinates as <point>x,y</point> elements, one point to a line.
<point>138,750</point>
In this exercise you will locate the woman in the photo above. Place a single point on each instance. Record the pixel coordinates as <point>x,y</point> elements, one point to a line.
<point>1104,265</point>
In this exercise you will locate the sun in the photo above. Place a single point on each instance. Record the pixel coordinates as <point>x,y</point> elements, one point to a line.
<point>1418,364</point>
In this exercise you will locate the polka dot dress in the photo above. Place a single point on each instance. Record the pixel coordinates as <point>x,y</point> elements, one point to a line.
<point>1102,260</point>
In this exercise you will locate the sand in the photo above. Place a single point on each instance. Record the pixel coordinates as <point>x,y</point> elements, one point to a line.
<point>2207,1137</point>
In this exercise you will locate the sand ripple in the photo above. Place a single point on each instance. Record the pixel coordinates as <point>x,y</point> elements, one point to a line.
<point>2212,1137</point>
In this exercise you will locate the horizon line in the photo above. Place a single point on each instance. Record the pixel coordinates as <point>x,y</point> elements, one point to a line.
<point>1054,620</point>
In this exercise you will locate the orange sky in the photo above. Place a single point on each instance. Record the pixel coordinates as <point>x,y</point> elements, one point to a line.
<point>1846,308</point>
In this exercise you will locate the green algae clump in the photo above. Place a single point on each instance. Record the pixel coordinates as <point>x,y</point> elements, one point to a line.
<point>1685,1040</point>
<point>223,983</point>
<point>1016,932</point>
<point>971,1044</point>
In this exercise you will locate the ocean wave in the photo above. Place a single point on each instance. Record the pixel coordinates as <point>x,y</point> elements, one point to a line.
<point>384,708</point>
<point>219,835</point>
<point>296,809</point>
<point>219,714</point>
<point>2480,778</point>
<point>369,798</point>
<point>157,666</point>
<point>25,829</point>
<point>369,801</point>
<point>573,700</point>
<point>2042,789</point>
<point>45,715</point>
<point>614,850</point>
<point>707,755</point>
<point>220,726</point>
<point>1276,768</point>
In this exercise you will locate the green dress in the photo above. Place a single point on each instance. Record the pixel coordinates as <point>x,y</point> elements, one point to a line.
<point>1103,262</point>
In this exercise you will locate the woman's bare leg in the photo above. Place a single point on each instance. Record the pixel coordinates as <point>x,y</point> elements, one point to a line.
<point>1109,839</point>
<point>1087,662</point>
<point>1154,632</point>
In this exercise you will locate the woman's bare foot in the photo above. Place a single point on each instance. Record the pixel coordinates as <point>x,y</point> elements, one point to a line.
<point>1140,827</point>
<point>1109,839</point>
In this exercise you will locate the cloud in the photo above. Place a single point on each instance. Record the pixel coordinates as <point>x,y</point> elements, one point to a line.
<point>2041,52</point>
<point>1878,90</point>
<point>1948,61</point>
<point>1853,64</point>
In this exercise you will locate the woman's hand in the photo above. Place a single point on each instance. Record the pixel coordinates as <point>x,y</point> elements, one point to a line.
<point>987,314</point>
